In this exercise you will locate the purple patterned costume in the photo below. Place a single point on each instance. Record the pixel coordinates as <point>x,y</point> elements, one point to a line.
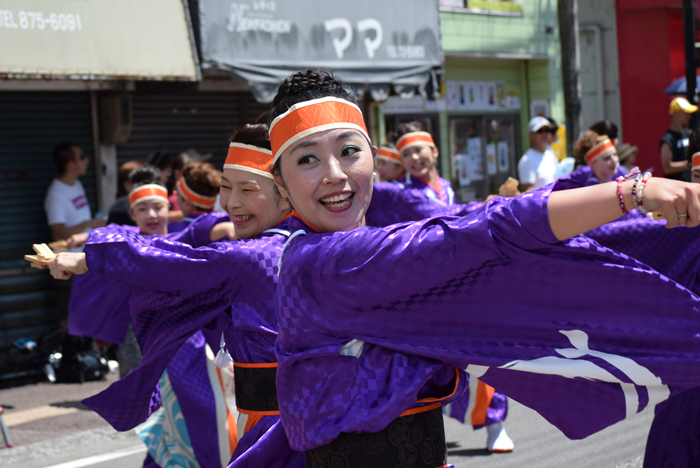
<point>494,292</point>
<point>188,296</point>
<point>442,193</point>
<point>584,177</point>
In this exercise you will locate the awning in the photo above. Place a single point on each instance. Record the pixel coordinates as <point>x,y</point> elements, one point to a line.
<point>373,45</point>
<point>132,39</point>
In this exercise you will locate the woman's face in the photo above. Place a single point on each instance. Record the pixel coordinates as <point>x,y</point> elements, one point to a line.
<point>388,170</point>
<point>419,160</point>
<point>605,167</point>
<point>251,202</point>
<point>151,216</point>
<point>184,204</point>
<point>327,177</point>
<point>696,176</point>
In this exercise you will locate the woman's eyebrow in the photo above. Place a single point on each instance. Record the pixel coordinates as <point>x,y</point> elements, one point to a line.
<point>303,144</point>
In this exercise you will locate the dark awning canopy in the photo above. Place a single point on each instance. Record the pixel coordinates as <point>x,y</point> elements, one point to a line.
<point>375,46</point>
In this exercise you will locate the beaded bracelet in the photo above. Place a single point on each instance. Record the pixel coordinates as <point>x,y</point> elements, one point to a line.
<point>634,191</point>
<point>640,194</point>
<point>620,180</point>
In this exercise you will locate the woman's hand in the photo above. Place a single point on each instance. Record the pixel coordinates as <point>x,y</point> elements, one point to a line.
<point>221,231</point>
<point>77,240</point>
<point>678,202</point>
<point>65,264</point>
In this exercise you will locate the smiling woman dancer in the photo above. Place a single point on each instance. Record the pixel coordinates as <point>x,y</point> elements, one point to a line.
<point>177,293</point>
<point>435,288</point>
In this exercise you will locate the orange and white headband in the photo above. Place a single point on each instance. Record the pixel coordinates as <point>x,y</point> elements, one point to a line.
<point>194,197</point>
<point>314,116</point>
<point>695,161</point>
<point>249,158</point>
<point>603,148</point>
<point>147,192</point>
<point>389,154</point>
<point>414,139</point>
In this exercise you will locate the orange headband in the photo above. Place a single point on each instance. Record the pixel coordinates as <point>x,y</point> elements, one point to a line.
<point>309,117</point>
<point>696,161</point>
<point>194,197</point>
<point>389,154</point>
<point>601,149</point>
<point>249,158</point>
<point>414,139</point>
<point>147,192</point>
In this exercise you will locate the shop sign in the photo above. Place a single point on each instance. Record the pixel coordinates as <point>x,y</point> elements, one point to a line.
<point>363,41</point>
<point>488,7</point>
<point>480,95</point>
<point>89,39</point>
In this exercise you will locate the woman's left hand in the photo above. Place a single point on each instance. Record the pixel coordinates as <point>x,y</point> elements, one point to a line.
<point>65,264</point>
<point>678,202</point>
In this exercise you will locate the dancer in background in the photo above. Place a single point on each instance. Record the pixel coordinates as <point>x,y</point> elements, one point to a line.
<point>389,166</point>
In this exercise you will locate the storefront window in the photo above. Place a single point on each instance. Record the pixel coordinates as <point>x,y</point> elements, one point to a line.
<point>483,151</point>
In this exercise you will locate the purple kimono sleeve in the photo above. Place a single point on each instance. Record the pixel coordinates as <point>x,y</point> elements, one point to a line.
<point>159,264</point>
<point>99,308</point>
<point>197,233</point>
<point>392,204</point>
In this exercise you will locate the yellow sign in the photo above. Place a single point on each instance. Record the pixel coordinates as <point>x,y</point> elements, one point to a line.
<point>88,39</point>
<point>559,146</point>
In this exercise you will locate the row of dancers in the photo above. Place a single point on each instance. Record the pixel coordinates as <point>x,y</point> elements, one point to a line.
<point>351,309</point>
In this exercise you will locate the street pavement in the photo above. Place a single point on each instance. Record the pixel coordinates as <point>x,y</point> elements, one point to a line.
<point>50,429</point>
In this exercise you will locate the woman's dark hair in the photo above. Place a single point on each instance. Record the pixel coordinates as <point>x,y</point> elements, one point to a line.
<point>312,83</point>
<point>409,127</point>
<point>202,178</point>
<point>123,176</point>
<point>605,127</point>
<point>255,135</point>
<point>693,146</point>
<point>587,141</point>
<point>145,175</point>
<point>553,123</point>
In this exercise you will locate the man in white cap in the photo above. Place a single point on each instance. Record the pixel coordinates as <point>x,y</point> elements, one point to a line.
<point>538,165</point>
<point>673,144</point>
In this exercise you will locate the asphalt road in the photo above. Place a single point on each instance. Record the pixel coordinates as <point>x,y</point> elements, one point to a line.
<point>537,444</point>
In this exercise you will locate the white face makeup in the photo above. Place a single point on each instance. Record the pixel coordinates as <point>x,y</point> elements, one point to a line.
<point>251,202</point>
<point>151,216</point>
<point>327,176</point>
<point>419,161</point>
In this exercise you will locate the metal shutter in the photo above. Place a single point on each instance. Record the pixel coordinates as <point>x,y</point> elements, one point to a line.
<point>30,125</point>
<point>176,122</point>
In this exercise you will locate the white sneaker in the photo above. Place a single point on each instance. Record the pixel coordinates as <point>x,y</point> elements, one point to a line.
<point>498,441</point>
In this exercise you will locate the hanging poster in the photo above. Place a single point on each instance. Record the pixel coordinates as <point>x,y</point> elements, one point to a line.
<point>491,159</point>
<point>475,164</point>
<point>463,94</point>
<point>502,156</point>
<point>501,95</point>
<point>451,94</point>
<point>491,97</point>
<point>471,95</point>
<point>464,170</point>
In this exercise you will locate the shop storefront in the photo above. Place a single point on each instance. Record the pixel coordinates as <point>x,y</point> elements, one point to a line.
<point>501,68</point>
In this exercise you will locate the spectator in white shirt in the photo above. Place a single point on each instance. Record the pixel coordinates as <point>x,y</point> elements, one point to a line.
<point>67,207</point>
<point>538,166</point>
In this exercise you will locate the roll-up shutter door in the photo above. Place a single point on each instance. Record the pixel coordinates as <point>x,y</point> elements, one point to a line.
<point>31,124</point>
<point>176,122</point>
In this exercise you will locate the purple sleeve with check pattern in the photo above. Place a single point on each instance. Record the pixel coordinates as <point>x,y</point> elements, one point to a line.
<point>545,322</point>
<point>197,233</point>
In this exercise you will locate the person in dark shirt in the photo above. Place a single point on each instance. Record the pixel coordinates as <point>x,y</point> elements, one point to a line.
<point>675,141</point>
<point>119,212</point>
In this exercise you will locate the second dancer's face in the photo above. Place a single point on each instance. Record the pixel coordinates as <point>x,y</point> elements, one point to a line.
<point>151,216</point>
<point>251,201</point>
<point>327,177</point>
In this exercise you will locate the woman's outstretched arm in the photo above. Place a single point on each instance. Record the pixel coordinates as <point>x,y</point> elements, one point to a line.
<point>572,212</point>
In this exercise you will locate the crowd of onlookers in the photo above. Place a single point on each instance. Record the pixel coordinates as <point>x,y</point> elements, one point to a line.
<point>599,155</point>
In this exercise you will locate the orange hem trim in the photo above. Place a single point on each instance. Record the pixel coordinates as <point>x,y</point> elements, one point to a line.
<point>254,364</point>
<point>258,413</point>
<point>422,409</point>
<point>426,400</point>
